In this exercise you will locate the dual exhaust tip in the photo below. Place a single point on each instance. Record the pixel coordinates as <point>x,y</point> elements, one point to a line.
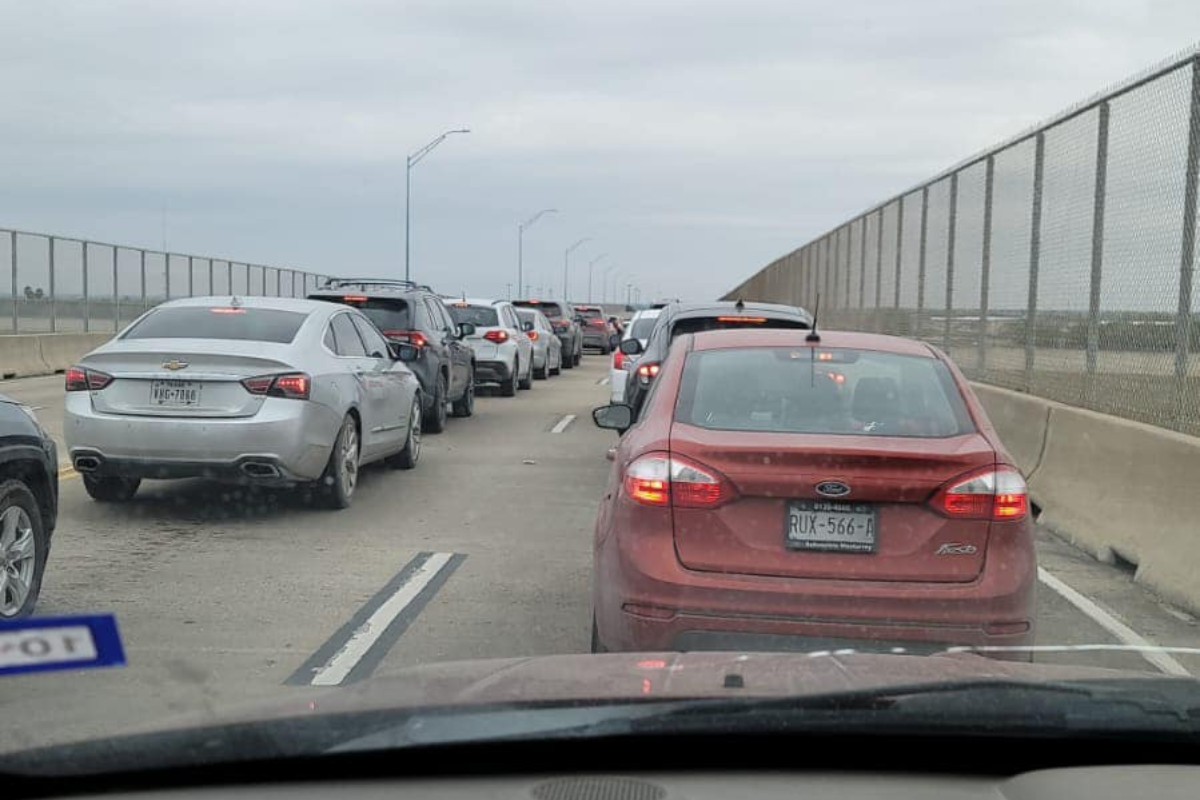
<point>251,469</point>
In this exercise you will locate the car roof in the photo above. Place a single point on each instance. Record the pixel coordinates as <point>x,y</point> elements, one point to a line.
<point>474,301</point>
<point>646,313</point>
<point>782,337</point>
<point>370,286</point>
<point>279,303</point>
<point>540,302</point>
<point>691,310</point>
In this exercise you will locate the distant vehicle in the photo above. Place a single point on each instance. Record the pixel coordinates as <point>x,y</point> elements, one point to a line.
<point>677,319</point>
<point>778,492</point>
<point>503,353</point>
<point>638,328</point>
<point>28,506</point>
<point>547,349</point>
<point>255,390</point>
<point>597,330</point>
<point>413,313</point>
<point>566,328</point>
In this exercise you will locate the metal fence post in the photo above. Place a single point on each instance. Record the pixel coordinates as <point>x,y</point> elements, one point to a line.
<point>212,268</point>
<point>1035,246</point>
<point>921,258</point>
<point>116,292</point>
<point>278,283</point>
<point>167,275</point>
<point>950,240</point>
<point>53,294</point>
<point>986,262</point>
<point>191,278</point>
<point>835,277</point>
<point>1093,323</point>
<point>899,249</point>
<point>827,282</point>
<point>145,304</point>
<point>87,307</point>
<point>262,272</point>
<point>879,273</point>
<point>16,324</point>
<point>1183,318</point>
<point>862,264</point>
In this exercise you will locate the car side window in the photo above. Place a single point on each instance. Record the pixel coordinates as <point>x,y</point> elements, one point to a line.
<point>511,316</point>
<point>330,341</point>
<point>421,320</point>
<point>349,343</point>
<point>376,344</point>
<point>441,317</point>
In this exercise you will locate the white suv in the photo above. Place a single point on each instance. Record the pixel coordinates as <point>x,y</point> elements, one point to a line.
<point>503,351</point>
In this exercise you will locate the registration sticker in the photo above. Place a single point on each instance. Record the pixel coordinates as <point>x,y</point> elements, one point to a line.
<point>54,643</point>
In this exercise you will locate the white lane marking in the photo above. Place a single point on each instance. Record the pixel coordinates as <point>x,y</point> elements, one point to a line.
<point>1106,620</point>
<point>562,424</point>
<point>344,660</point>
<point>602,381</point>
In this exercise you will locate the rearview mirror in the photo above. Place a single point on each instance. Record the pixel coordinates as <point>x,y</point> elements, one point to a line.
<point>406,352</point>
<point>465,329</point>
<point>631,347</point>
<point>615,417</point>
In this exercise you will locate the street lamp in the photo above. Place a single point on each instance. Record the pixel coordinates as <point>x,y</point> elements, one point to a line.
<point>412,161</point>
<point>591,264</point>
<point>521,244</point>
<point>567,262</point>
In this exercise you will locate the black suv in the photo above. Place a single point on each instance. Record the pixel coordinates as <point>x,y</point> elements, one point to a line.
<point>566,327</point>
<point>28,506</point>
<point>414,314</point>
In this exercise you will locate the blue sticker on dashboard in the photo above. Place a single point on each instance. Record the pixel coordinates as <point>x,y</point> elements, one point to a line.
<point>53,643</point>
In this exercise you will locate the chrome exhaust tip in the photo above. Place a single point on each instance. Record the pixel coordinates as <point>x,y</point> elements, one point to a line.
<point>260,469</point>
<point>87,464</point>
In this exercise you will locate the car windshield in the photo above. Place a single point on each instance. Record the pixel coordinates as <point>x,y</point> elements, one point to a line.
<point>479,316</point>
<point>875,363</point>
<point>218,322</point>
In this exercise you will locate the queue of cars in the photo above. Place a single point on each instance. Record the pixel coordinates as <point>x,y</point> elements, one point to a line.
<point>779,487</point>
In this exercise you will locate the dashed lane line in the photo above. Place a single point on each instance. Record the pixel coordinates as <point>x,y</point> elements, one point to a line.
<point>562,424</point>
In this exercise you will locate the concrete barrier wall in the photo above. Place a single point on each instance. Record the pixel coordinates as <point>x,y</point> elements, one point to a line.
<point>44,354</point>
<point>1110,486</point>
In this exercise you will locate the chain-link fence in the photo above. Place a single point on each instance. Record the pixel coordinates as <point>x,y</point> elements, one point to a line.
<point>58,284</point>
<point>1058,263</point>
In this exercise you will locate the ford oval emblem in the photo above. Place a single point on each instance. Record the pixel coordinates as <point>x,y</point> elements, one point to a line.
<point>832,489</point>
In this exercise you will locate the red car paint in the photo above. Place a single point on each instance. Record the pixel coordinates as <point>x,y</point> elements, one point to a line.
<point>662,572</point>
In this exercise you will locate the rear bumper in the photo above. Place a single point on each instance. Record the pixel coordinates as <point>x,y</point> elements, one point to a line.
<point>492,371</point>
<point>292,437</point>
<point>646,600</point>
<point>597,339</point>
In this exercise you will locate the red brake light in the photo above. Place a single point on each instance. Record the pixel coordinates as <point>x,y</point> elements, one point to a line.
<point>996,494</point>
<point>648,371</point>
<point>258,385</point>
<point>293,385</point>
<point>532,336</point>
<point>415,338</point>
<point>660,480</point>
<point>747,320</point>
<point>227,310</point>
<point>499,336</point>
<point>78,379</point>
<point>618,359</point>
<point>355,298</point>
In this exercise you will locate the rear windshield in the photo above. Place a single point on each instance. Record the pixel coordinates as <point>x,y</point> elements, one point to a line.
<point>590,313</point>
<point>479,316</point>
<point>387,314</point>
<point>551,310</point>
<point>727,321</point>
<point>642,328</point>
<point>203,322</point>
<point>813,390</point>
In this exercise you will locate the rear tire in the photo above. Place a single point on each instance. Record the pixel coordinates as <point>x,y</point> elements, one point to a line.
<point>527,381</point>
<point>23,537</point>
<point>508,388</point>
<point>578,357</point>
<point>465,405</point>
<point>544,372</point>
<point>110,489</point>
<point>558,370</point>
<point>411,454</point>
<point>339,480</point>
<point>435,420</point>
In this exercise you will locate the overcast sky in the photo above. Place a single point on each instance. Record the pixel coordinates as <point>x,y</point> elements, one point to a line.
<point>692,141</point>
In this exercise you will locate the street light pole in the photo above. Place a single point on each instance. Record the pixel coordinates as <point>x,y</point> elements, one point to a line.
<point>521,244</point>
<point>412,160</point>
<point>591,264</point>
<point>567,263</point>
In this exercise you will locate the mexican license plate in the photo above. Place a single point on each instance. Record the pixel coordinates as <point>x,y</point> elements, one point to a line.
<point>175,393</point>
<point>830,525</point>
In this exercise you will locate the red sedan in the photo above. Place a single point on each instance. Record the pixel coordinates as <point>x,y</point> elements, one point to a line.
<point>784,491</point>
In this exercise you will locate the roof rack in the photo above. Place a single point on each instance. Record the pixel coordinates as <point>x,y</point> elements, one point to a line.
<point>362,283</point>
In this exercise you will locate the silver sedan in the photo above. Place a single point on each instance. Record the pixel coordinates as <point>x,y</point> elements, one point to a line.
<point>547,348</point>
<point>254,390</point>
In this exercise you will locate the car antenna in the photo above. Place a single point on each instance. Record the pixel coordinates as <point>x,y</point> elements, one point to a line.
<point>739,306</point>
<point>235,301</point>
<point>813,336</point>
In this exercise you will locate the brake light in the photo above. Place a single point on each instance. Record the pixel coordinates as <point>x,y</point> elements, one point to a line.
<point>415,338</point>
<point>292,385</point>
<point>746,320</point>
<point>597,323</point>
<point>660,480</point>
<point>499,337</point>
<point>648,371</point>
<point>618,359</point>
<point>355,298</point>
<point>79,379</point>
<point>532,335</point>
<point>227,310</point>
<point>996,494</point>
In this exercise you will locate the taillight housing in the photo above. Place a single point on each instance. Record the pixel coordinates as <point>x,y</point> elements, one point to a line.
<point>648,372</point>
<point>533,335</point>
<point>657,479</point>
<point>497,336</point>
<point>415,338</point>
<point>618,359</point>
<point>81,379</point>
<point>998,494</point>
<point>290,385</point>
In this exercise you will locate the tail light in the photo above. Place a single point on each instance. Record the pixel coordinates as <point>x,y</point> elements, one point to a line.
<point>598,323</point>
<point>532,335</point>
<point>79,379</point>
<point>618,359</point>
<point>292,385</point>
<point>499,337</point>
<point>415,338</point>
<point>994,494</point>
<point>647,372</point>
<point>660,480</point>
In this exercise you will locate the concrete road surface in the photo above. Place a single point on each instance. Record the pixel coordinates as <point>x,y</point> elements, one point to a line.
<point>226,595</point>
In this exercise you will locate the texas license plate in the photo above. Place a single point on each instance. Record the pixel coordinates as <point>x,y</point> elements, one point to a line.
<point>829,525</point>
<point>175,393</point>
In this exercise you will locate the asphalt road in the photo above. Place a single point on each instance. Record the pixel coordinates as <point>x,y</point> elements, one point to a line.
<point>226,596</point>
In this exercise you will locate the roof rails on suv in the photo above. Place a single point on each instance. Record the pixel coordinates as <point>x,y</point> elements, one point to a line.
<point>384,283</point>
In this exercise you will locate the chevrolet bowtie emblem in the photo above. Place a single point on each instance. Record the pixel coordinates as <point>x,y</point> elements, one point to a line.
<point>174,365</point>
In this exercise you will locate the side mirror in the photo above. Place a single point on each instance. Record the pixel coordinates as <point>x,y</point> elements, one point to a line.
<point>631,347</point>
<point>465,329</point>
<point>527,326</point>
<point>406,352</point>
<point>615,417</point>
